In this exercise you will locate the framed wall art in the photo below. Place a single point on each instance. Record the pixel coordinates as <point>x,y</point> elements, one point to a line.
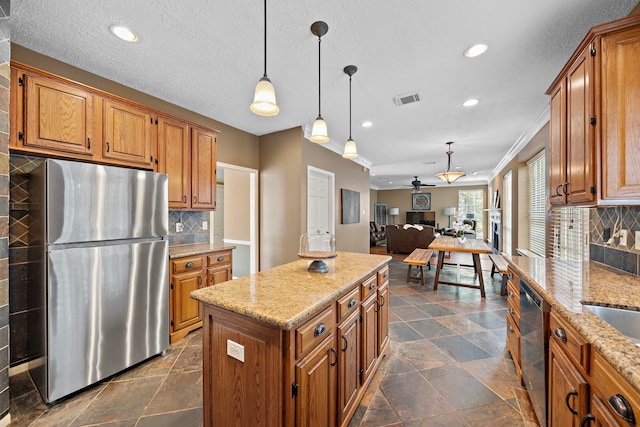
<point>350,206</point>
<point>421,201</point>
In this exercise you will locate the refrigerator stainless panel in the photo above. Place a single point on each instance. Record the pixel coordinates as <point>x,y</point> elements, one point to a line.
<point>88,202</point>
<point>108,309</point>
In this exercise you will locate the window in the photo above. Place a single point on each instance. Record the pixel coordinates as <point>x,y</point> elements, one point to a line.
<point>537,212</point>
<point>570,234</point>
<point>470,205</point>
<point>507,217</point>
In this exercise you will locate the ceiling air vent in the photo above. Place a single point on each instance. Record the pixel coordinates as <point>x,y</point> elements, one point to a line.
<point>406,98</point>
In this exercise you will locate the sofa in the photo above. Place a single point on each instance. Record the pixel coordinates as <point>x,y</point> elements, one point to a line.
<point>403,239</point>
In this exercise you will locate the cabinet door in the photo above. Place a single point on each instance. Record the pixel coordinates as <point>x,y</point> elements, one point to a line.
<point>57,116</point>
<point>369,336</point>
<point>203,169</point>
<point>383,317</point>
<point>186,311</point>
<point>557,146</point>
<point>581,170</point>
<point>348,365</point>
<point>217,275</point>
<point>620,125</point>
<point>127,134</point>
<point>174,159</point>
<point>316,378</point>
<point>568,390</point>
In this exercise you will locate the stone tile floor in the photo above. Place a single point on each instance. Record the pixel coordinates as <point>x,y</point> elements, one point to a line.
<point>447,366</point>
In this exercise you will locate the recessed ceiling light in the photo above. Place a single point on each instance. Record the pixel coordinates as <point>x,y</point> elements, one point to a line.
<point>474,173</point>
<point>123,33</point>
<point>476,50</point>
<point>367,124</point>
<point>470,102</point>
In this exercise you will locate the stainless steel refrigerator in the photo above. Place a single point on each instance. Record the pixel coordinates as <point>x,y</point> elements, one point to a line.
<point>99,237</point>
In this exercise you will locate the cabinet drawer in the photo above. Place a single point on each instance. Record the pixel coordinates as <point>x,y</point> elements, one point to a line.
<point>609,384</point>
<point>383,275</point>
<point>314,331</point>
<point>219,258</point>
<point>513,340</point>
<point>513,288</point>
<point>348,304</point>
<point>181,265</point>
<point>570,341</point>
<point>368,287</point>
<point>514,312</point>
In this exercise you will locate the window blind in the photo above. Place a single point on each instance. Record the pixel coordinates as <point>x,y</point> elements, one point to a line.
<point>537,203</point>
<point>507,216</point>
<point>470,204</point>
<point>569,234</point>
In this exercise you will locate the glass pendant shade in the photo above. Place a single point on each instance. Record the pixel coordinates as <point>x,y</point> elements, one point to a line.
<point>264,100</point>
<point>319,133</point>
<point>450,176</point>
<point>350,151</point>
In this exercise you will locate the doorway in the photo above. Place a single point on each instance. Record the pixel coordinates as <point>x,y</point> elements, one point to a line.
<point>236,216</point>
<point>320,201</point>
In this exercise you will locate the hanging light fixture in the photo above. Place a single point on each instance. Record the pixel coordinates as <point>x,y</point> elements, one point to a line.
<point>319,132</point>
<point>264,99</point>
<point>350,151</point>
<point>450,175</point>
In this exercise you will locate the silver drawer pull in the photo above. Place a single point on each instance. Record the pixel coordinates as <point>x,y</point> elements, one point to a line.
<point>220,258</point>
<point>189,264</point>
<point>560,334</point>
<point>372,286</point>
<point>622,408</point>
<point>351,303</point>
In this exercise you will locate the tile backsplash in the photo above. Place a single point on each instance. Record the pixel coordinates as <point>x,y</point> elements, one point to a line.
<point>192,231</point>
<point>623,257</point>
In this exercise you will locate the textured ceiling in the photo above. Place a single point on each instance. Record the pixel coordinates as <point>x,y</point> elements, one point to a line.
<point>207,56</point>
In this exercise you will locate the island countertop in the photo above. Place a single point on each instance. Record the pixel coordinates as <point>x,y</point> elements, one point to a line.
<point>567,285</point>
<point>179,251</point>
<point>287,295</point>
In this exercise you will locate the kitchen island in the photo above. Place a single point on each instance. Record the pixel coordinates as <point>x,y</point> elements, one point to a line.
<point>286,347</point>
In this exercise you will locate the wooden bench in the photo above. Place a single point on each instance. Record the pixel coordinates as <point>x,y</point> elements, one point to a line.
<point>501,265</point>
<point>419,258</point>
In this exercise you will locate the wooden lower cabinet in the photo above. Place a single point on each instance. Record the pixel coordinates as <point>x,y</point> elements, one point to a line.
<point>568,390</point>
<point>188,274</point>
<point>318,379</point>
<point>513,320</point>
<point>316,376</point>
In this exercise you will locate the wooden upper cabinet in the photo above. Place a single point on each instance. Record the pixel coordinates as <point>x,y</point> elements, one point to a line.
<point>56,117</point>
<point>581,121</point>
<point>557,146</point>
<point>174,159</point>
<point>127,134</point>
<point>203,169</point>
<point>620,111</point>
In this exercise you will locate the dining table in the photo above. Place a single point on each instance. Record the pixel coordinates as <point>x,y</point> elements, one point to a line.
<point>475,247</point>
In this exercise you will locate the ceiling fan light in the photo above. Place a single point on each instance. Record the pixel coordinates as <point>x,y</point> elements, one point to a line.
<point>264,100</point>
<point>350,151</point>
<point>319,133</point>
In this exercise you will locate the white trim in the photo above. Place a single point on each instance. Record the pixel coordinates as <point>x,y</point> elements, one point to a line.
<point>253,212</point>
<point>236,242</point>
<point>331,197</point>
<point>526,136</point>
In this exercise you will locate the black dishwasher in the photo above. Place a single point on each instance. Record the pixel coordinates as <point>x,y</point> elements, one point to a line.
<point>534,345</point>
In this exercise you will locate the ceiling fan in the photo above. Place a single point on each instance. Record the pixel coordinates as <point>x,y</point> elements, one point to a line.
<point>416,184</point>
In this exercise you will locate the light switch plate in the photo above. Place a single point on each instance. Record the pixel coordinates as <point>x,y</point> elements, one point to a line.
<point>179,227</point>
<point>205,225</point>
<point>235,350</point>
<point>638,240</point>
<point>623,237</point>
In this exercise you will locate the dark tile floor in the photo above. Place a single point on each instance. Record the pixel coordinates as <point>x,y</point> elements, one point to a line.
<point>447,366</point>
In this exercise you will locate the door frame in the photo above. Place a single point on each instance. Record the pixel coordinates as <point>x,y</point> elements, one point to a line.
<point>253,214</point>
<point>314,171</point>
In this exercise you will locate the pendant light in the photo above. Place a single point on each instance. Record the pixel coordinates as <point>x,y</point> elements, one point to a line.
<point>319,132</point>
<point>350,151</point>
<point>264,99</point>
<point>450,175</point>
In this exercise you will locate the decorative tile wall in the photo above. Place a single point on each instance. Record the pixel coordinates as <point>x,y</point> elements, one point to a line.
<point>622,257</point>
<point>5,54</point>
<point>192,227</point>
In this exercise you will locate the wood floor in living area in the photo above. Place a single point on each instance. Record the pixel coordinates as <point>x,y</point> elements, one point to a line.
<point>447,366</point>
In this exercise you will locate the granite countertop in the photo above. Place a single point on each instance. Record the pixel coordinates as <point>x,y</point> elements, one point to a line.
<point>566,285</point>
<point>287,295</point>
<point>179,251</point>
